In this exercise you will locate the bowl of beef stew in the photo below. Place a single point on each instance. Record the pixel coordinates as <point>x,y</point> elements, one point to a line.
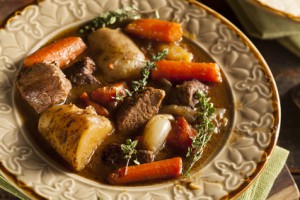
<point>132,102</point>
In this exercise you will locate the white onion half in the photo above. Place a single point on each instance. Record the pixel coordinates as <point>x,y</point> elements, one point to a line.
<point>156,132</point>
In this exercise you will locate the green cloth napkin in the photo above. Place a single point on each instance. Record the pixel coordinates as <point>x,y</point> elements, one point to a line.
<point>263,24</point>
<point>259,190</point>
<point>261,187</point>
<point>11,189</point>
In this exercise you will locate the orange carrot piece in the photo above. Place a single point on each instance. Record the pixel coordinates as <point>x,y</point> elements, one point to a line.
<point>169,168</point>
<point>107,94</point>
<point>179,71</point>
<point>155,29</point>
<point>84,97</point>
<point>62,52</point>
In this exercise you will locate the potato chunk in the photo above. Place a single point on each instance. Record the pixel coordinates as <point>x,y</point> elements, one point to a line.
<point>115,54</point>
<point>73,132</point>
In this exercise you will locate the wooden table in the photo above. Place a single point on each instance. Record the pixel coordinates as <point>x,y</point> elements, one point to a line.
<point>286,70</point>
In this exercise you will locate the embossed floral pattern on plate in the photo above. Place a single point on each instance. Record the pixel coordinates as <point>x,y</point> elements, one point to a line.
<point>255,99</point>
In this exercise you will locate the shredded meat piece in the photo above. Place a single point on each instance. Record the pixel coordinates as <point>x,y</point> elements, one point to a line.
<point>80,73</point>
<point>183,94</point>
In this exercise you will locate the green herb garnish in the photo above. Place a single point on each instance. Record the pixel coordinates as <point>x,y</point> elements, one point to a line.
<point>129,149</point>
<point>139,85</point>
<point>110,18</point>
<point>205,128</point>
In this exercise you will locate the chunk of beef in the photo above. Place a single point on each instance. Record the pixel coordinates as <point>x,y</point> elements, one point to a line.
<point>113,156</point>
<point>145,156</point>
<point>136,111</point>
<point>184,93</point>
<point>80,73</point>
<point>43,85</point>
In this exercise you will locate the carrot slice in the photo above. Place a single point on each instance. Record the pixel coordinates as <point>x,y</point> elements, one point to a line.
<point>155,29</point>
<point>84,97</point>
<point>169,168</point>
<point>107,94</point>
<point>180,71</point>
<point>62,52</point>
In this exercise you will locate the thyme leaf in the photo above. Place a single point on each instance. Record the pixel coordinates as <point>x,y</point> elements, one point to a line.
<point>129,149</point>
<point>110,18</point>
<point>139,85</point>
<point>150,65</point>
<point>205,128</point>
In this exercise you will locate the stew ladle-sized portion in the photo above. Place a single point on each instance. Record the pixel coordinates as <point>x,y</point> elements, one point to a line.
<point>118,108</point>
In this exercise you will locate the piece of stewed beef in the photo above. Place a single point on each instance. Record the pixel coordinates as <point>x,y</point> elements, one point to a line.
<point>43,85</point>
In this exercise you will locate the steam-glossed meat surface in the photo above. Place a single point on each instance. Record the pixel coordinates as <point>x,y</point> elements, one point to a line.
<point>80,73</point>
<point>137,110</point>
<point>184,94</point>
<point>43,85</point>
<point>116,54</point>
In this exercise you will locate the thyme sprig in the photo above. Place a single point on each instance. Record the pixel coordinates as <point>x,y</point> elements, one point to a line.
<point>205,128</point>
<point>150,65</point>
<point>115,16</point>
<point>110,18</point>
<point>129,149</point>
<point>139,85</point>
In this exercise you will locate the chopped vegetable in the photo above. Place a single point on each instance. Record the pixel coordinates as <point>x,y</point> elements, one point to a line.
<point>84,97</point>
<point>180,71</point>
<point>185,111</point>
<point>115,54</point>
<point>73,132</point>
<point>156,132</point>
<point>61,52</point>
<point>110,93</point>
<point>169,168</point>
<point>205,128</point>
<point>176,52</point>
<point>156,29</point>
<point>181,135</point>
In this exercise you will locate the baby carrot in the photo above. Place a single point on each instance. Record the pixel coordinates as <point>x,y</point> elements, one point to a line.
<point>179,71</point>
<point>106,94</point>
<point>155,29</point>
<point>62,52</point>
<point>169,168</point>
<point>84,97</point>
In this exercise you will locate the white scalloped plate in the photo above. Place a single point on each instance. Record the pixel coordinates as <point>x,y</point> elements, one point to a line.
<point>286,8</point>
<point>255,123</point>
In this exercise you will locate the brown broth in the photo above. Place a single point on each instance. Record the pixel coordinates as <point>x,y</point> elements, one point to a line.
<point>98,171</point>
